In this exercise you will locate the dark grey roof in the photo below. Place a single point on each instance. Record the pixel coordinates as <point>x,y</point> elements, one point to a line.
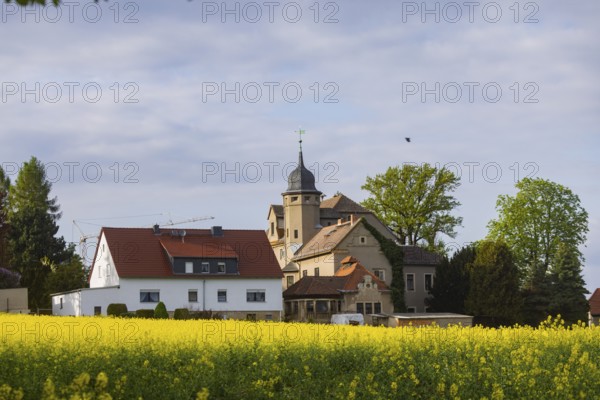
<point>301,180</point>
<point>415,255</point>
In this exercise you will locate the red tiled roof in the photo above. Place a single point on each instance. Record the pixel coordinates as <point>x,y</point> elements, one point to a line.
<point>595,303</point>
<point>139,253</point>
<point>343,204</point>
<point>325,240</point>
<point>346,278</point>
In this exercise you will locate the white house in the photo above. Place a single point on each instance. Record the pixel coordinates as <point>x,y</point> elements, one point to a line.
<point>233,272</point>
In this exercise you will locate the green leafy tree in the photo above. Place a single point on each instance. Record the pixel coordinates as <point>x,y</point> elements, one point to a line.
<point>415,202</point>
<point>568,287</point>
<point>68,275</point>
<point>494,295</point>
<point>32,217</point>
<point>4,189</point>
<point>535,221</point>
<point>451,284</point>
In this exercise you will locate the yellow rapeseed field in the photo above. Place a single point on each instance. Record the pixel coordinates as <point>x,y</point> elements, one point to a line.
<point>115,358</point>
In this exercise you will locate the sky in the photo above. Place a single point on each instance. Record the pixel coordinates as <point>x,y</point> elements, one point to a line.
<point>150,112</point>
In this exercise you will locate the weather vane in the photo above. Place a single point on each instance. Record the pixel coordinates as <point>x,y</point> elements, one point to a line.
<point>300,132</point>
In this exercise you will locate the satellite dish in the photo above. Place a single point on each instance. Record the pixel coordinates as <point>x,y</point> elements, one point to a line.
<point>183,233</point>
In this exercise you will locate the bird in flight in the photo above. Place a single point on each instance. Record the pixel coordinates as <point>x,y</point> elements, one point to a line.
<point>407,139</point>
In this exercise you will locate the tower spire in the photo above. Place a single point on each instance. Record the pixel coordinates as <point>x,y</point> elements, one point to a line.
<point>300,132</point>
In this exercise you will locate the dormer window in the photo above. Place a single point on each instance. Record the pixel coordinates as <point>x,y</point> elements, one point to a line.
<point>221,268</point>
<point>189,267</point>
<point>205,268</point>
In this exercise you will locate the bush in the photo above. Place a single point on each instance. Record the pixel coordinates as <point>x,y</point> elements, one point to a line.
<point>160,311</point>
<point>130,315</point>
<point>181,313</point>
<point>145,313</point>
<point>116,309</point>
<point>207,314</point>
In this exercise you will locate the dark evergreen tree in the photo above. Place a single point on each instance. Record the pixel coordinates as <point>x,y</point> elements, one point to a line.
<point>568,287</point>
<point>536,296</point>
<point>451,284</point>
<point>32,217</point>
<point>4,188</point>
<point>494,296</point>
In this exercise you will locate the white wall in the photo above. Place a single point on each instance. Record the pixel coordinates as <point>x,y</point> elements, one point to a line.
<point>104,273</point>
<point>82,302</point>
<point>174,293</point>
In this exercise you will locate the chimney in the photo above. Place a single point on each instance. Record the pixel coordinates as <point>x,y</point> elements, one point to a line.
<point>156,229</point>
<point>217,231</point>
<point>340,221</point>
<point>353,219</point>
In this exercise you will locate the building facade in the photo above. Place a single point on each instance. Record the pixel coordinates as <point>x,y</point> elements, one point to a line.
<point>232,272</point>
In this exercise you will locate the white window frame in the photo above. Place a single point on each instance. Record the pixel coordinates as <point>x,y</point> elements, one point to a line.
<point>425,282</point>
<point>254,296</point>
<point>207,265</point>
<point>413,282</point>
<point>192,291</point>
<point>219,265</point>
<point>362,240</point>
<point>218,296</point>
<point>189,267</point>
<point>379,271</point>
<point>150,291</point>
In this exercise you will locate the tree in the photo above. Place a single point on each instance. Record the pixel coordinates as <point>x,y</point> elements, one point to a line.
<point>451,284</point>
<point>414,202</point>
<point>69,275</point>
<point>32,217</point>
<point>4,189</point>
<point>494,295</point>
<point>568,286</point>
<point>540,216</point>
<point>9,279</point>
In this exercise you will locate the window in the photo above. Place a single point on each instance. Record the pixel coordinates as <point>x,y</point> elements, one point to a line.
<point>316,271</point>
<point>205,268</point>
<point>221,267</point>
<point>281,254</point>
<point>222,296</point>
<point>310,306</point>
<point>360,308</point>
<point>306,198</point>
<point>287,232</point>
<point>377,308</point>
<point>269,317</point>
<point>251,317</point>
<point>322,306</point>
<point>290,280</point>
<point>97,310</point>
<point>61,303</point>
<point>411,309</point>
<point>410,282</point>
<point>379,273</point>
<point>189,267</point>
<point>369,308</point>
<point>149,296</point>
<point>295,233</point>
<point>193,296</point>
<point>362,240</point>
<point>272,228</point>
<point>428,282</point>
<point>255,296</point>
<point>294,198</point>
<point>304,273</point>
<point>107,270</point>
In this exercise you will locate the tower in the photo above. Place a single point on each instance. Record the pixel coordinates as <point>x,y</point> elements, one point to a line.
<point>301,206</point>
